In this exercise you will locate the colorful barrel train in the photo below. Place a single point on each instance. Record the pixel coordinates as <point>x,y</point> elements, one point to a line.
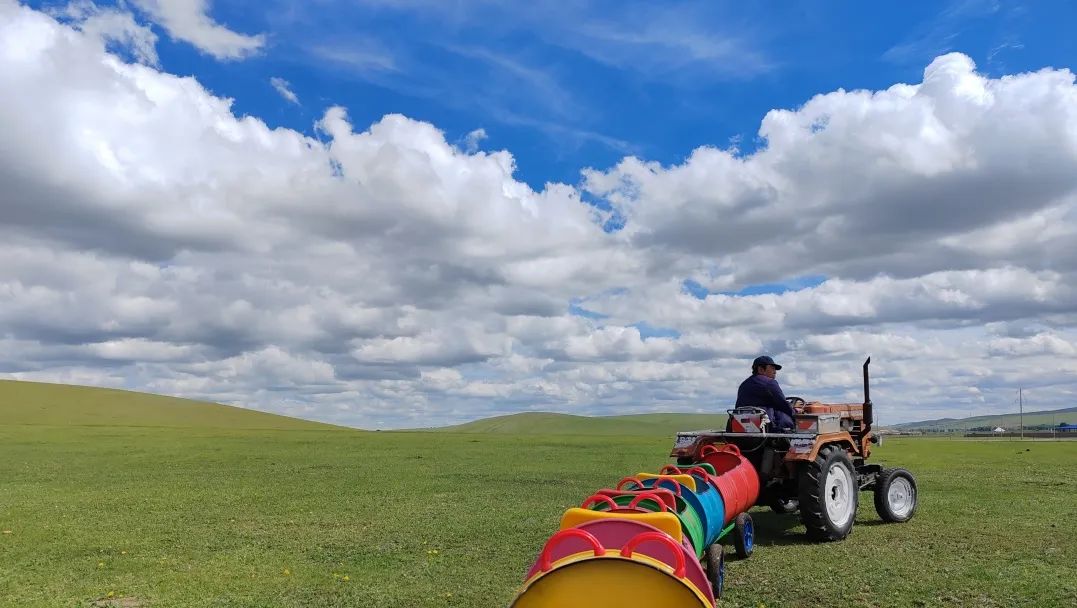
<point>654,540</point>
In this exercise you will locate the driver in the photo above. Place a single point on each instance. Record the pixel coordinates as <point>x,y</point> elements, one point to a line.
<point>762,390</point>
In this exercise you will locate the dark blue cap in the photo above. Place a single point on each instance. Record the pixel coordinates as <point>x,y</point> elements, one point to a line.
<point>765,360</point>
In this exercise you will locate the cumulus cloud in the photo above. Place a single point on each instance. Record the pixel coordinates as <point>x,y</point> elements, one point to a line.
<point>382,276</point>
<point>188,20</point>
<point>847,181</point>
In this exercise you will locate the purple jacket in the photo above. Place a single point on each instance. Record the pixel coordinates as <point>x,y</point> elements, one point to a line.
<point>761,391</point>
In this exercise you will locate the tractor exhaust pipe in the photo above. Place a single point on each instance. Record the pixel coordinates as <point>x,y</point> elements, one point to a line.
<point>868,414</point>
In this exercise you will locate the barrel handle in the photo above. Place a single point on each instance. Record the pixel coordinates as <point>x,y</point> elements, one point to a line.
<point>710,448</point>
<point>700,471</point>
<point>596,546</point>
<point>695,471</point>
<point>597,498</point>
<point>676,489</point>
<point>648,496</point>
<point>642,537</point>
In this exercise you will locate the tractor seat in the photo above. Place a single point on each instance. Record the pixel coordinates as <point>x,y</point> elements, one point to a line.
<point>747,419</point>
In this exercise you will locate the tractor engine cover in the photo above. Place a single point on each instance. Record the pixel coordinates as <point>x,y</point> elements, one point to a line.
<point>818,423</point>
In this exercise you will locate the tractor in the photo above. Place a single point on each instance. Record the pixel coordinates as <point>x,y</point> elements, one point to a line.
<point>818,469</point>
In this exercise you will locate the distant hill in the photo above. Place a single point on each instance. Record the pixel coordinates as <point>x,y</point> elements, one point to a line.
<point>1006,421</point>
<point>545,423</point>
<point>37,403</point>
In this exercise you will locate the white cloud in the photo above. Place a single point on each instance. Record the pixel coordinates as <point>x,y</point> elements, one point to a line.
<point>361,60</point>
<point>115,27</point>
<point>284,88</point>
<point>383,276</point>
<point>846,182</point>
<point>473,139</point>
<point>188,20</point>
<point>1045,343</point>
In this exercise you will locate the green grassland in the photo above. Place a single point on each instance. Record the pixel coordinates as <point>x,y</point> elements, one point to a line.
<point>38,403</point>
<point>239,514</point>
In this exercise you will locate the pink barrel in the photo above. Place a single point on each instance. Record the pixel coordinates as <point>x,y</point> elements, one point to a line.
<point>735,477</point>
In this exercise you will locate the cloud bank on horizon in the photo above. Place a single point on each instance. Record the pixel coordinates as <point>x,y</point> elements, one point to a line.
<point>386,275</point>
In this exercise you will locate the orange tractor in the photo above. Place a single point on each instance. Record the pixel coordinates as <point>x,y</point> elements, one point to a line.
<point>819,468</point>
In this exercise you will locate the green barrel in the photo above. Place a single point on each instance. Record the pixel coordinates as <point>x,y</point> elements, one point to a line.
<point>693,527</point>
<point>706,466</point>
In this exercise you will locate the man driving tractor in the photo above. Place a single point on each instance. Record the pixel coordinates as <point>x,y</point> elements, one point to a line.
<point>762,390</point>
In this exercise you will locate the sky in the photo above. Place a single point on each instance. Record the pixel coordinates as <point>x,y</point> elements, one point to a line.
<point>410,213</point>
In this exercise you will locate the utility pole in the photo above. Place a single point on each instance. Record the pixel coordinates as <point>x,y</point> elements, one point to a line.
<point>1021,401</point>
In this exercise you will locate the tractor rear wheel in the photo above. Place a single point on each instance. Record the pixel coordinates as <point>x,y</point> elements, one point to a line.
<point>895,495</point>
<point>829,495</point>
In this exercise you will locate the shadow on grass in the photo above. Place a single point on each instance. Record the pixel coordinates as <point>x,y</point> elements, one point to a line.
<point>772,529</point>
<point>872,523</point>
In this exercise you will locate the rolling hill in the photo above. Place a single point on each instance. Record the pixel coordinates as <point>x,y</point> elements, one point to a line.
<point>1006,421</point>
<point>38,403</point>
<point>545,423</point>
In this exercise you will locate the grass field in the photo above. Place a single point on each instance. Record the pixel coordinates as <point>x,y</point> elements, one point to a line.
<point>316,516</point>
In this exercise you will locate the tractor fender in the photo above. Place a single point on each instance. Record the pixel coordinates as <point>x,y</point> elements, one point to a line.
<point>805,452</point>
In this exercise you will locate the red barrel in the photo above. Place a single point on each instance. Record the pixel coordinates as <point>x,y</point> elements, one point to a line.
<point>736,478</point>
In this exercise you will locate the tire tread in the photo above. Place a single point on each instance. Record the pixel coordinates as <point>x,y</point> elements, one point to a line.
<point>812,507</point>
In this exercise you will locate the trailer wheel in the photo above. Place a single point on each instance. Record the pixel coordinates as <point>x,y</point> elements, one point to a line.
<point>744,535</point>
<point>895,495</point>
<point>828,495</point>
<point>716,568</point>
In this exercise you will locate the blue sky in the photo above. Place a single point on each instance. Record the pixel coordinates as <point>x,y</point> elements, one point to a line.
<point>397,213</point>
<point>582,84</point>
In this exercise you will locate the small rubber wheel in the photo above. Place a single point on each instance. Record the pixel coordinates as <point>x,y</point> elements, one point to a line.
<point>743,535</point>
<point>895,495</point>
<point>716,568</point>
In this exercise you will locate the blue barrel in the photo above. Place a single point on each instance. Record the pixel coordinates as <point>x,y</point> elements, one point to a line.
<point>711,501</point>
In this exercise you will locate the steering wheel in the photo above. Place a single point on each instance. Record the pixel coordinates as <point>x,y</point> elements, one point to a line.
<point>796,403</point>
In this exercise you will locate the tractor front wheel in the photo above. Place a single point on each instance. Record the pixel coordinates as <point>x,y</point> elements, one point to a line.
<point>829,495</point>
<point>895,495</point>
